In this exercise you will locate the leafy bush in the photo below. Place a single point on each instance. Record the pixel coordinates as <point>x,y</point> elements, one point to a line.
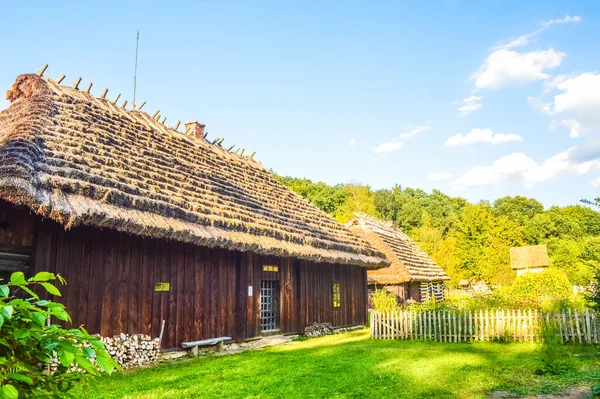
<point>539,290</point>
<point>29,343</point>
<point>554,357</point>
<point>384,301</point>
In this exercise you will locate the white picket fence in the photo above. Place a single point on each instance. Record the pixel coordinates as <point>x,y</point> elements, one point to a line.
<point>489,325</point>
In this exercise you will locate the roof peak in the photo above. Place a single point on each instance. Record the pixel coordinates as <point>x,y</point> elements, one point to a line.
<point>27,85</point>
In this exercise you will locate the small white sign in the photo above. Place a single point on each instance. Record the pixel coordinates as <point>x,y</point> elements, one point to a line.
<point>249,290</point>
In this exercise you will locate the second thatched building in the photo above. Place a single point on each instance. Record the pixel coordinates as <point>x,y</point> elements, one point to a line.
<point>412,275</point>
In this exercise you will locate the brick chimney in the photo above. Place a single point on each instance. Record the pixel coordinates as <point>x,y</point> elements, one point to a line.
<point>195,130</point>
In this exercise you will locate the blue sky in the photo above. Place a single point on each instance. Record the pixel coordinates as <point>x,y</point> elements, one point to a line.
<point>477,99</point>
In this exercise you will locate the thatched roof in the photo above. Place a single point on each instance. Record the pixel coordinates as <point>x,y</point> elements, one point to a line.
<point>408,261</point>
<point>81,160</point>
<point>528,257</point>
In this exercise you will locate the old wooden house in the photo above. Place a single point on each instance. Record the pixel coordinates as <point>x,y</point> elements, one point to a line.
<point>412,273</point>
<point>148,224</point>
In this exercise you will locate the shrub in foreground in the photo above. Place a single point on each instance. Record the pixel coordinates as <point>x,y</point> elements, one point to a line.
<point>30,343</point>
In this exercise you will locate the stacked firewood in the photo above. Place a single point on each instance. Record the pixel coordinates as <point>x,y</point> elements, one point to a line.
<point>132,350</point>
<point>318,329</point>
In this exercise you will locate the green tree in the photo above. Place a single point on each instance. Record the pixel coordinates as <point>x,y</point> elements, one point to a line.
<point>359,199</point>
<point>518,209</point>
<point>29,342</point>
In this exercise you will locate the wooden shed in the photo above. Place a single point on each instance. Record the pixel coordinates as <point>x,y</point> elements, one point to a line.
<point>412,273</point>
<point>149,224</point>
<point>530,258</point>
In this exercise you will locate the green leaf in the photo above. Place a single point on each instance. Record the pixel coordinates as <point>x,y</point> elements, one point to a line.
<point>39,318</point>
<point>4,290</point>
<point>105,364</point>
<point>89,352</point>
<point>21,333</point>
<point>51,289</point>
<point>43,302</point>
<point>86,364</point>
<point>7,311</point>
<point>20,377</point>
<point>43,276</point>
<point>8,392</point>
<point>61,279</point>
<point>61,314</point>
<point>18,278</point>
<point>66,358</point>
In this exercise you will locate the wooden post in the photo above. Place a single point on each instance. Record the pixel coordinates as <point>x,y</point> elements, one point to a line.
<point>577,325</point>
<point>571,325</point>
<point>588,338</point>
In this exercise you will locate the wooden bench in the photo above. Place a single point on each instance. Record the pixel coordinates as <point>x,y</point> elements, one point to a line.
<point>193,346</point>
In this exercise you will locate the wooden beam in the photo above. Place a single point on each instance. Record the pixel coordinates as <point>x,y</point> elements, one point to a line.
<point>89,87</point>
<point>242,153</point>
<point>252,155</point>
<point>117,99</point>
<point>177,125</point>
<point>41,73</point>
<point>141,106</point>
<point>231,148</point>
<point>164,119</point>
<point>156,113</point>
<point>62,77</point>
<point>124,104</point>
<point>105,93</point>
<point>76,84</point>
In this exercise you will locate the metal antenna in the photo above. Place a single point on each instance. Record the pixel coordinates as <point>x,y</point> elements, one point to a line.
<point>137,40</point>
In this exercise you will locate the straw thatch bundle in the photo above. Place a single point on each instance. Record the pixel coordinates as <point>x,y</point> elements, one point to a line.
<point>81,160</point>
<point>408,261</point>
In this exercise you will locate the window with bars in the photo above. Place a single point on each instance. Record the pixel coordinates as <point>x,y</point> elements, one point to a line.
<point>268,311</point>
<point>337,295</point>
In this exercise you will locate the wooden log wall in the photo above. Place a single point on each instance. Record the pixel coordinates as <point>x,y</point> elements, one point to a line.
<point>112,278</point>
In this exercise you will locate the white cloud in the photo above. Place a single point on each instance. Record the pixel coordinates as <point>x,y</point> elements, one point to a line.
<point>579,103</point>
<point>503,67</point>
<point>469,104</point>
<point>389,146</point>
<point>351,142</point>
<point>518,168</point>
<point>419,129</point>
<point>527,38</point>
<point>433,176</point>
<point>397,142</point>
<point>596,182</point>
<point>476,136</point>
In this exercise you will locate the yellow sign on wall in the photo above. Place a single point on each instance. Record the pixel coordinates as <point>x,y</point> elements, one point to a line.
<point>269,268</point>
<point>158,287</point>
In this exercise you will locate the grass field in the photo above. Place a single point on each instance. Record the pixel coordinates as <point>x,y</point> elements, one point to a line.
<point>353,366</point>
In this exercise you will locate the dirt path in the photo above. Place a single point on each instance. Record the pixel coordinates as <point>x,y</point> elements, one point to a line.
<point>571,393</point>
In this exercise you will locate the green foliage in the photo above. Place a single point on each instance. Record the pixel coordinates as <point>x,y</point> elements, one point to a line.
<point>472,241</point>
<point>555,358</point>
<point>351,365</point>
<point>384,301</point>
<point>540,290</point>
<point>29,342</point>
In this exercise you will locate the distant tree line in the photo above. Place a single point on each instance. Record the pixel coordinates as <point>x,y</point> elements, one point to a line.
<point>471,241</point>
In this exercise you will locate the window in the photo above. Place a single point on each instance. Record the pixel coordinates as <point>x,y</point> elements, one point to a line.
<point>267,268</point>
<point>337,295</point>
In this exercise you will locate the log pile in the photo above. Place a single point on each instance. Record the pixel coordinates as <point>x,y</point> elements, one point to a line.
<point>318,329</point>
<point>132,350</point>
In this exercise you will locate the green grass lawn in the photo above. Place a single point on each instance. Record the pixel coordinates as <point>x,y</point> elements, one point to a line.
<point>353,366</point>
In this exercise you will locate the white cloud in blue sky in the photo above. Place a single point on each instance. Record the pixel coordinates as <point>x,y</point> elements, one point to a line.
<point>480,136</point>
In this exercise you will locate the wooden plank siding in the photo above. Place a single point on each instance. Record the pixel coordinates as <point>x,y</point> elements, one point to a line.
<point>111,284</point>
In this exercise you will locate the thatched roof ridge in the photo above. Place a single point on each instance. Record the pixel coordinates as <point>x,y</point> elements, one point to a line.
<point>81,160</point>
<point>408,261</point>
